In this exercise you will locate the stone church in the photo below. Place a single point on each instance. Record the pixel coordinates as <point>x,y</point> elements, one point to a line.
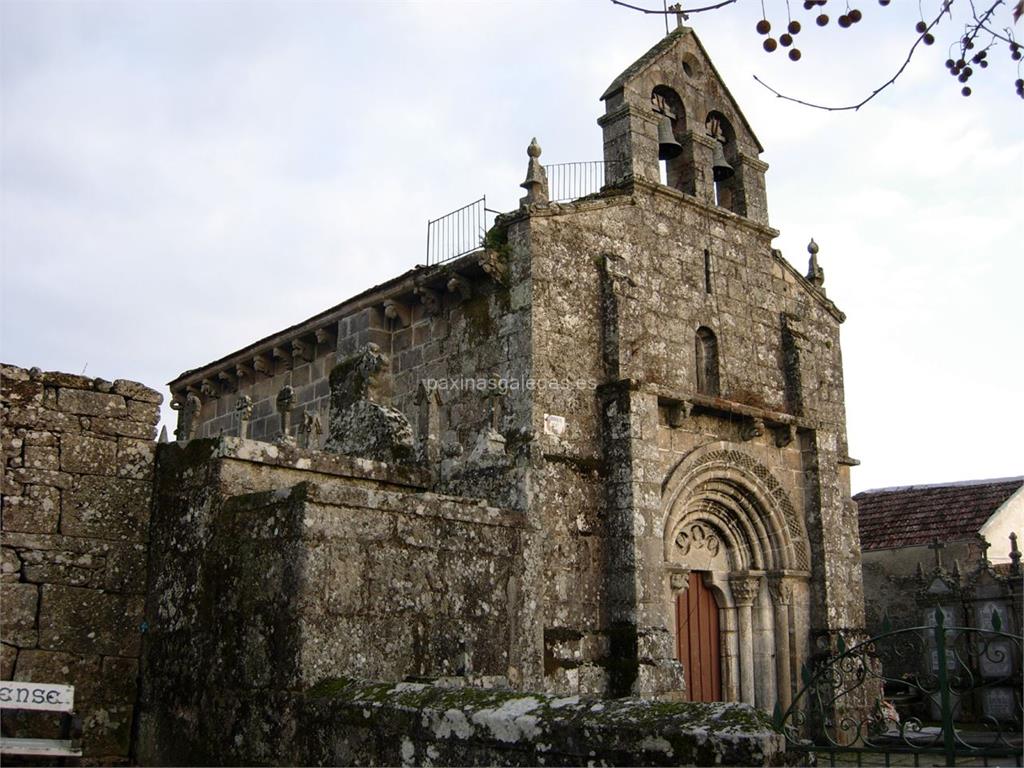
<point>643,392</point>
<point>601,451</point>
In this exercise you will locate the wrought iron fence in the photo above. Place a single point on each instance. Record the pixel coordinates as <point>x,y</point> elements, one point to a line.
<point>962,705</point>
<point>571,181</point>
<point>457,233</point>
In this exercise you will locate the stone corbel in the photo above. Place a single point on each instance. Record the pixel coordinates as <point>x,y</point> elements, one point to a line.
<point>284,354</point>
<point>430,299</point>
<point>394,310</point>
<point>303,350</point>
<point>679,412</point>
<point>261,364</point>
<point>752,428</point>
<point>494,267</point>
<point>227,377</point>
<point>209,389</point>
<point>325,336</point>
<point>460,285</point>
<point>243,371</point>
<point>784,435</point>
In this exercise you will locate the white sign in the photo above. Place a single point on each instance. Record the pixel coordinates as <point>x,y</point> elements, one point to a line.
<point>554,425</point>
<point>53,698</point>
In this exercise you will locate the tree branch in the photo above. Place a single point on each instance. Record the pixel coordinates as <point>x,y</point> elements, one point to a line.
<point>714,7</point>
<point>865,100</point>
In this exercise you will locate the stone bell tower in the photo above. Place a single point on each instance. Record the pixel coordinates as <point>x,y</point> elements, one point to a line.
<point>677,88</point>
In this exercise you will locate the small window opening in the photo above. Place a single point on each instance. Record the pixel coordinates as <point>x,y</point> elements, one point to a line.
<point>707,271</point>
<point>707,362</point>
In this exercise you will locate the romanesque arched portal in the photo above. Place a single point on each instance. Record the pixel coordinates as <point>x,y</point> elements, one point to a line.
<point>729,520</point>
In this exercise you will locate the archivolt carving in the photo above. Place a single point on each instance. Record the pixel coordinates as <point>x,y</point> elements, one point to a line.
<point>696,536</point>
<point>742,470</point>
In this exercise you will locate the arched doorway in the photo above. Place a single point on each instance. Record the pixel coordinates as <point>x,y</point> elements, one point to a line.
<point>728,519</point>
<point>698,640</point>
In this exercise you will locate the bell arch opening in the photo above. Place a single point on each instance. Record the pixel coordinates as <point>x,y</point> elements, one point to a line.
<point>725,160</point>
<point>675,151</point>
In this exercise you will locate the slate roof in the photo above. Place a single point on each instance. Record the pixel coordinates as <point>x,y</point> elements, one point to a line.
<point>917,514</point>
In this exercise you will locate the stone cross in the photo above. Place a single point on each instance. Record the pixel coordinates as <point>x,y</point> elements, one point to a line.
<point>984,550</point>
<point>285,402</point>
<point>244,410</point>
<point>937,546</point>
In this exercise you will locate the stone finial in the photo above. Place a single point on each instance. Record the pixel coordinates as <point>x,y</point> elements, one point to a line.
<point>815,274</point>
<point>536,183</point>
<point>163,434</point>
<point>1014,555</point>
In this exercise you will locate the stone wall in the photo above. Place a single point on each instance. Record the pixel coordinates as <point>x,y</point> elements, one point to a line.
<point>447,332</point>
<point>351,722</point>
<point>77,479</point>
<point>274,568</point>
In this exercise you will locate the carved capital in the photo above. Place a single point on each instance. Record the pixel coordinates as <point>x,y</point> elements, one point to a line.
<point>680,579</point>
<point>780,588</point>
<point>744,588</point>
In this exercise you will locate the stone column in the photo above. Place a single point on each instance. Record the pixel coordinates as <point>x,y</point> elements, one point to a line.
<point>696,176</point>
<point>744,591</point>
<point>782,596</point>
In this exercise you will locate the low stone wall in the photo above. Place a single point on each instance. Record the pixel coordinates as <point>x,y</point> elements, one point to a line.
<point>77,487</point>
<point>274,568</point>
<point>352,722</point>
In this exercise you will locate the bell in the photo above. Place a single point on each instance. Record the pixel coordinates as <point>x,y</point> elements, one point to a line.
<point>720,169</point>
<point>668,147</point>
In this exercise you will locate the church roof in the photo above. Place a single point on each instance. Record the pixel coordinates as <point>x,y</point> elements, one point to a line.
<point>916,514</point>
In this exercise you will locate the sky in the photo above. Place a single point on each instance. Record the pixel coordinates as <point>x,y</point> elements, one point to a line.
<point>178,179</point>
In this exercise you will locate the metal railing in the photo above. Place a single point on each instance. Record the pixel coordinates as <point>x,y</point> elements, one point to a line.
<point>457,233</point>
<point>962,705</point>
<point>571,181</point>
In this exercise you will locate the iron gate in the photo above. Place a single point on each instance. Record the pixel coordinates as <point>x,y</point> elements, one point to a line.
<point>926,695</point>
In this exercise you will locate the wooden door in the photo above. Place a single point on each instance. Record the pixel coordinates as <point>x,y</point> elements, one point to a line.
<point>697,640</point>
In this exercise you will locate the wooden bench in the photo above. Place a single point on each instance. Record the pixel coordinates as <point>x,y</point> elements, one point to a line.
<point>42,697</point>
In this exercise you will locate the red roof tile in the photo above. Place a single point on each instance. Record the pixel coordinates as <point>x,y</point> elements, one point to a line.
<point>917,514</point>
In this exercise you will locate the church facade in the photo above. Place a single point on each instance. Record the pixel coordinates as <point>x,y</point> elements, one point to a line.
<point>644,393</point>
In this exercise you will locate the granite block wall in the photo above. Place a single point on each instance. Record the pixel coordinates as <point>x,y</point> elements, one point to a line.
<point>77,478</point>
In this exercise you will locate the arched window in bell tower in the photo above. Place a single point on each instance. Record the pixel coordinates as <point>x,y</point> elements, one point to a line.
<point>707,362</point>
<point>674,152</point>
<point>725,158</point>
